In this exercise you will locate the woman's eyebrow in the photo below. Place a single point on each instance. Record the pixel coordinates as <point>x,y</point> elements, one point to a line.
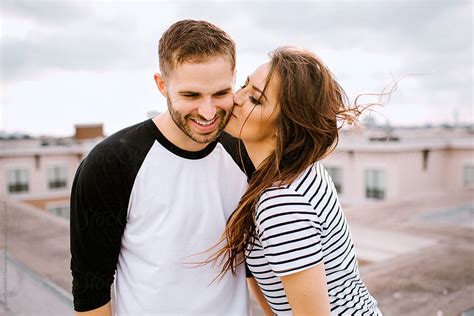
<point>255,88</point>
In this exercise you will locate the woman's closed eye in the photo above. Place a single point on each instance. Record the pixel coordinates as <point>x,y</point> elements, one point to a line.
<point>254,100</point>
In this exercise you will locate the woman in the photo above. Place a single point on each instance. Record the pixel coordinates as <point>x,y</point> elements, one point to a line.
<point>289,225</point>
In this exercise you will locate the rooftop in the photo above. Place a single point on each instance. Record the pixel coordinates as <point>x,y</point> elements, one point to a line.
<point>351,139</point>
<point>46,146</point>
<point>405,139</point>
<point>416,256</point>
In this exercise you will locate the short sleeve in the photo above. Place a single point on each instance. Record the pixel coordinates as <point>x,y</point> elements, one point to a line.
<point>289,231</point>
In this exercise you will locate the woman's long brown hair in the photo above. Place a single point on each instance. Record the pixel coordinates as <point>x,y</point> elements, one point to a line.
<point>312,104</point>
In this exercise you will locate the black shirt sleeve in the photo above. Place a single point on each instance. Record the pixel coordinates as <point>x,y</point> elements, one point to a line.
<point>97,224</point>
<point>99,203</point>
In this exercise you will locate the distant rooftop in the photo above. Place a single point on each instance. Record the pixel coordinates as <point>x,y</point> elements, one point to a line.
<point>45,146</point>
<point>12,136</point>
<point>85,137</point>
<point>405,138</point>
<point>359,138</point>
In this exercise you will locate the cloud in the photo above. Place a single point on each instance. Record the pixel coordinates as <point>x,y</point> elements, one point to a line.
<point>68,37</point>
<point>27,58</point>
<point>377,25</point>
<point>430,31</point>
<point>432,38</point>
<point>363,42</point>
<point>48,12</point>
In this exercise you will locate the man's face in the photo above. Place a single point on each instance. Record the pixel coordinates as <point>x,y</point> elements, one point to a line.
<point>199,97</point>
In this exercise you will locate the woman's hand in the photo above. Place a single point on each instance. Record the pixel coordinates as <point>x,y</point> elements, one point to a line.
<point>307,292</point>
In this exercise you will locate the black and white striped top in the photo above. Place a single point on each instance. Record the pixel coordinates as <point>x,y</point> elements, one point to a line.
<point>299,226</point>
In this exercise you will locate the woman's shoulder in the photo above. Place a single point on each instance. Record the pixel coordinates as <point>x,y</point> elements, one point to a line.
<point>315,176</point>
<point>280,203</point>
<point>278,194</point>
<point>313,181</point>
<point>279,189</point>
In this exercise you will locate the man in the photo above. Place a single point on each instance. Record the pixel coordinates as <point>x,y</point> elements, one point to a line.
<point>151,198</point>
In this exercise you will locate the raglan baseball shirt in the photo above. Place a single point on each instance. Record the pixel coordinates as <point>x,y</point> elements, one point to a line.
<point>145,211</point>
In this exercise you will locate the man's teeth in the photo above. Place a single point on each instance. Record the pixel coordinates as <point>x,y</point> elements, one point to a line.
<point>204,123</point>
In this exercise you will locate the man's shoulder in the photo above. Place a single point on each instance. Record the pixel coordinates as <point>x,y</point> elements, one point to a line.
<point>122,147</point>
<point>128,135</point>
<point>236,149</point>
<point>232,145</point>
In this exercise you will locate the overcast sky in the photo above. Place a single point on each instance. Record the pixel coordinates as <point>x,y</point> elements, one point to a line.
<point>79,62</point>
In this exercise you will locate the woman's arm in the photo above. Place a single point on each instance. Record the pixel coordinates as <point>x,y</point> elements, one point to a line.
<point>307,291</point>
<point>257,293</point>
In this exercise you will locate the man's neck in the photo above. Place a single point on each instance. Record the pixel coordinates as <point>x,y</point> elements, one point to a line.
<point>174,134</point>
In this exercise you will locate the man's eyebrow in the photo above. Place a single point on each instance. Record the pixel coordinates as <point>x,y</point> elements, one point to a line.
<point>255,88</point>
<point>226,90</point>
<point>188,92</point>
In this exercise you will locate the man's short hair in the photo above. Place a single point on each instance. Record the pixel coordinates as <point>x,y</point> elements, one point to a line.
<point>193,41</point>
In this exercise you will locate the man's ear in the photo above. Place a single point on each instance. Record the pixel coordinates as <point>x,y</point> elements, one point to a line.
<point>160,84</point>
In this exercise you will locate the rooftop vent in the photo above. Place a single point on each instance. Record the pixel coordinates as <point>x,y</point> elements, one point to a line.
<point>385,139</point>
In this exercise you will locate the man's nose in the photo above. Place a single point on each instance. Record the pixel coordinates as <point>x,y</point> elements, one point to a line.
<point>207,109</point>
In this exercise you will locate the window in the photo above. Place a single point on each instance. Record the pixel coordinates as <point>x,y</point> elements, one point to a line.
<point>336,175</point>
<point>468,175</point>
<point>59,210</point>
<point>375,184</point>
<point>57,177</point>
<point>17,180</point>
<point>425,153</point>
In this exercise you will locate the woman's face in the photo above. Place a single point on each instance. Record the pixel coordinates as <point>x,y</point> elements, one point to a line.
<point>255,114</point>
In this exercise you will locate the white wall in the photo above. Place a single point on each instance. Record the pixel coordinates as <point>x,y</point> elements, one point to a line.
<point>38,181</point>
<point>405,177</point>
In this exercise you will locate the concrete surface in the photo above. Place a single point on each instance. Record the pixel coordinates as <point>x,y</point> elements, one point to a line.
<point>417,256</point>
<point>31,294</point>
<point>433,270</point>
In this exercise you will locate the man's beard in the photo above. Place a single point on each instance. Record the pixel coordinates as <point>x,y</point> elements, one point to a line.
<point>182,122</point>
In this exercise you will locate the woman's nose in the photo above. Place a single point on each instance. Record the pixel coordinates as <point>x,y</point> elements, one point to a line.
<point>238,101</point>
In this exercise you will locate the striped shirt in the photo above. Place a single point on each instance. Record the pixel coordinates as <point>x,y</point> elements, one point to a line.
<point>299,226</point>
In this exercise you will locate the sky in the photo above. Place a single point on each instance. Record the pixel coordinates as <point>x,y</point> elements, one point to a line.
<point>82,62</point>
